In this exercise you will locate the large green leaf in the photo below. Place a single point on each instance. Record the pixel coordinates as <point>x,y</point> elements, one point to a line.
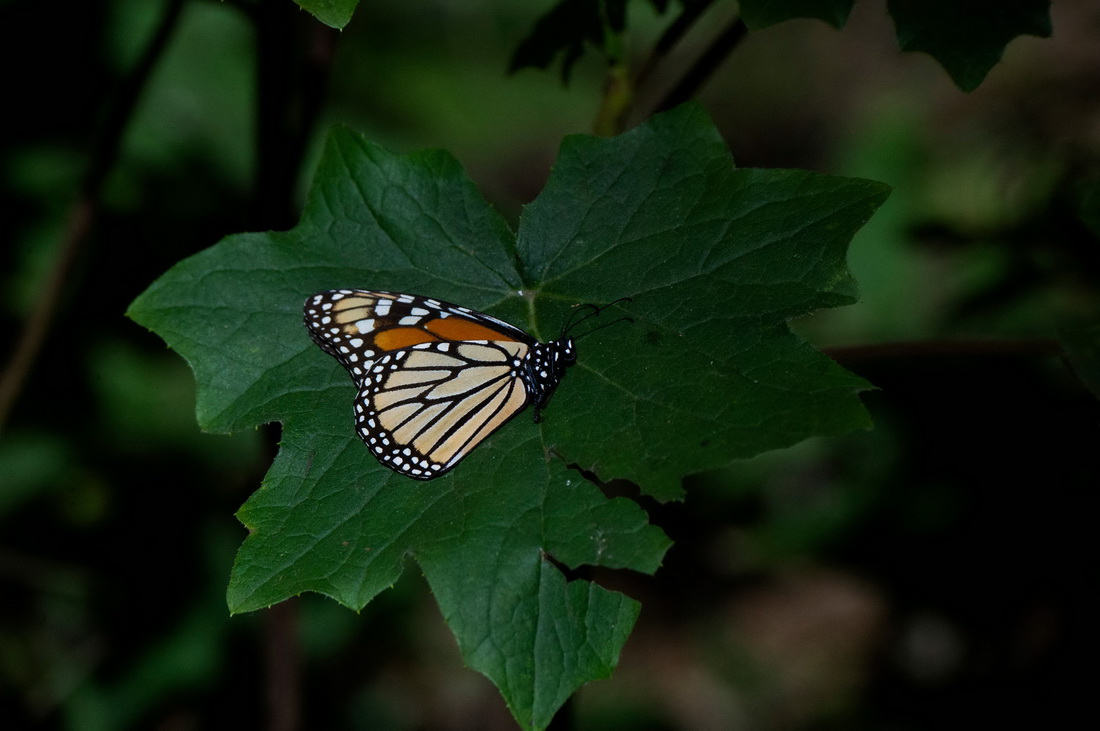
<point>967,37</point>
<point>716,260</point>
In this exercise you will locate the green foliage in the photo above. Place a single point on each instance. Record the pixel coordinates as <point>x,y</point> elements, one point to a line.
<point>31,464</point>
<point>716,260</point>
<point>334,13</point>
<point>967,37</point>
<point>566,29</point>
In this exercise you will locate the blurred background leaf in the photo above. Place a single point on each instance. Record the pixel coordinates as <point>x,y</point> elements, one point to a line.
<point>969,37</point>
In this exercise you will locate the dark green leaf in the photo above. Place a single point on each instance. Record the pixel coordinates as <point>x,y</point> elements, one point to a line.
<point>717,261</point>
<point>759,14</point>
<point>564,30</point>
<point>571,25</point>
<point>967,37</point>
<point>333,13</point>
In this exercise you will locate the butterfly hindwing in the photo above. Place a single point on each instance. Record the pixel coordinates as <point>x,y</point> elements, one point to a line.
<point>428,406</point>
<point>435,379</point>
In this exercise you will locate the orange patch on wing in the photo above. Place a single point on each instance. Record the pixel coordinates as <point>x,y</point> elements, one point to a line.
<point>457,328</point>
<point>402,337</point>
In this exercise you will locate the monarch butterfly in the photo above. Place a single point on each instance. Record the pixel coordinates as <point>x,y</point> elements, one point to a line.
<point>434,378</point>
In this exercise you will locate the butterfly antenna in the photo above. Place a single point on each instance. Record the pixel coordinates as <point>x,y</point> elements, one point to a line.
<point>573,321</point>
<point>591,310</point>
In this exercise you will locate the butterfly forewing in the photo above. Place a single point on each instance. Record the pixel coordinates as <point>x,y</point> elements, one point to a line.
<point>435,379</point>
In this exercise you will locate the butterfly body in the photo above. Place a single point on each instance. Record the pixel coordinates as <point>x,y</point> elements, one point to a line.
<point>434,378</point>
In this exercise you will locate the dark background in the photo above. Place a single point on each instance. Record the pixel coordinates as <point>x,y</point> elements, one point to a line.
<point>929,574</point>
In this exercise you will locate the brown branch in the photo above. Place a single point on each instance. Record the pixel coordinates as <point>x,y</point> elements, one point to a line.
<point>83,214</point>
<point>675,33</point>
<point>45,308</point>
<point>701,71</point>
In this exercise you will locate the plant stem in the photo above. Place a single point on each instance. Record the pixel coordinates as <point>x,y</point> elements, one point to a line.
<point>618,90</point>
<point>280,633</point>
<point>672,35</point>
